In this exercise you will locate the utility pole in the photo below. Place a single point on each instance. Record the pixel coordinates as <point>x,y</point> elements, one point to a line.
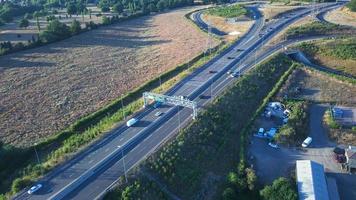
<point>38,158</point>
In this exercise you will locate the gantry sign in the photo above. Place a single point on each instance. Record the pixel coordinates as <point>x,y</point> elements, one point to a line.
<point>174,100</point>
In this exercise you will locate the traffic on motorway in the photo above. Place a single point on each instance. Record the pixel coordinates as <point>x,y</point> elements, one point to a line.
<point>98,167</point>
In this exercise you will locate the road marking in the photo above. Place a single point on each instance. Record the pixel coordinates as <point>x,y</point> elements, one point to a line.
<point>121,139</point>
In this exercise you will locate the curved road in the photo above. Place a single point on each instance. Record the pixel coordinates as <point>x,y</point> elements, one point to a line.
<point>96,169</point>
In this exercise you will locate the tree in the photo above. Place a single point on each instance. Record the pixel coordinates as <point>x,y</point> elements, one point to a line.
<point>37,15</point>
<point>71,9</point>
<point>161,5</point>
<point>152,7</point>
<point>251,178</point>
<point>55,30</point>
<point>281,188</point>
<point>75,27</point>
<point>118,7</point>
<point>104,5</point>
<point>352,5</point>
<point>232,178</point>
<point>24,23</point>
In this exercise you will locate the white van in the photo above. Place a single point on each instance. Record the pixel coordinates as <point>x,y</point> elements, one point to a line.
<point>307,142</point>
<point>131,122</point>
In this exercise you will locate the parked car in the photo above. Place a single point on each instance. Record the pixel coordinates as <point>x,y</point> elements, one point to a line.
<point>339,151</point>
<point>307,142</point>
<point>157,114</point>
<point>34,188</point>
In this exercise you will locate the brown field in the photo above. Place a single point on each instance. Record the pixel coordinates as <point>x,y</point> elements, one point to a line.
<point>315,86</point>
<point>272,10</point>
<point>238,28</point>
<point>43,90</point>
<point>342,16</point>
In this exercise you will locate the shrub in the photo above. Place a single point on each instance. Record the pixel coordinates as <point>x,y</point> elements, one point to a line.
<point>229,194</point>
<point>281,188</point>
<point>55,30</point>
<point>20,183</point>
<point>228,11</point>
<point>75,27</point>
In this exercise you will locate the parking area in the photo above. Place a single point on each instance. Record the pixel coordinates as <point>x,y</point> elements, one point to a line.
<point>271,163</point>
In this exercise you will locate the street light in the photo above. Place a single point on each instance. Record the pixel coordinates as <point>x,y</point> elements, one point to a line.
<point>123,161</point>
<point>38,158</point>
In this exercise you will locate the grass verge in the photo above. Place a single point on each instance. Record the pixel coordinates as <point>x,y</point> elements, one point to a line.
<point>227,11</point>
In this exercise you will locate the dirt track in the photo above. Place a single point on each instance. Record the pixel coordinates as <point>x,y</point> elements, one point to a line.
<point>45,89</point>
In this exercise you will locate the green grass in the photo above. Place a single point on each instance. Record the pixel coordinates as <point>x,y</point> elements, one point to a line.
<point>213,145</point>
<point>329,120</point>
<point>227,11</point>
<point>63,145</point>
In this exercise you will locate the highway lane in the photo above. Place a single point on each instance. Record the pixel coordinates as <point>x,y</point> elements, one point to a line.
<point>122,138</point>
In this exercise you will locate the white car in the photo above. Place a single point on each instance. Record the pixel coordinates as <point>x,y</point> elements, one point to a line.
<point>34,188</point>
<point>307,142</point>
<point>157,114</point>
<point>273,145</point>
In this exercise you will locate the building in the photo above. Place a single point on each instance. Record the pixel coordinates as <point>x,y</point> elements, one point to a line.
<point>311,181</point>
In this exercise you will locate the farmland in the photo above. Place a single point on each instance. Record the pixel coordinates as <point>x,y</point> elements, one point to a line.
<point>342,16</point>
<point>43,90</point>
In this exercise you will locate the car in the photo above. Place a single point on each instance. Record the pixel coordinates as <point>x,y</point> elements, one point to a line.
<point>157,114</point>
<point>229,72</point>
<point>131,122</point>
<point>273,145</point>
<point>340,158</point>
<point>307,142</point>
<point>212,71</point>
<point>230,57</point>
<point>34,188</point>
<point>235,74</point>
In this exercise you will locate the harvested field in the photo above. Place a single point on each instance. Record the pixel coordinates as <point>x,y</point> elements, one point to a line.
<point>342,16</point>
<point>234,29</point>
<point>312,85</point>
<point>43,90</point>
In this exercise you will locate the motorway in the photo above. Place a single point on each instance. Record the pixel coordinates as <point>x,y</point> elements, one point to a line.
<point>89,174</point>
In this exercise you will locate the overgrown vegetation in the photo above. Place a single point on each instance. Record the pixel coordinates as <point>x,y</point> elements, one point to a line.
<point>194,164</point>
<point>316,28</point>
<point>296,129</point>
<point>227,11</point>
<point>281,188</point>
<point>329,120</point>
<point>59,147</point>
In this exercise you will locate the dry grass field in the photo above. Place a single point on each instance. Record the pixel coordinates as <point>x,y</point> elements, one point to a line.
<point>45,89</point>
<point>315,86</point>
<point>342,16</point>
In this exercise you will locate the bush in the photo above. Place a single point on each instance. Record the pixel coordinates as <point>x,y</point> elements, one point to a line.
<point>229,194</point>
<point>55,30</point>
<point>20,183</point>
<point>75,27</point>
<point>106,20</point>
<point>281,188</point>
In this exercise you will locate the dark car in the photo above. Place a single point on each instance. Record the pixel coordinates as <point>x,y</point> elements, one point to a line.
<point>340,158</point>
<point>230,57</point>
<point>212,71</point>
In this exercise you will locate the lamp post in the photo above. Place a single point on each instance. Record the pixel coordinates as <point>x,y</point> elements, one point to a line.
<point>38,158</point>
<point>123,161</point>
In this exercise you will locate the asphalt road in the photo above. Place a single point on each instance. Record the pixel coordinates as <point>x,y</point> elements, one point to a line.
<point>99,165</point>
<point>197,18</point>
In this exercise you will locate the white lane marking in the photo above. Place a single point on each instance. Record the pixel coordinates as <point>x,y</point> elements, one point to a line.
<point>121,139</point>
